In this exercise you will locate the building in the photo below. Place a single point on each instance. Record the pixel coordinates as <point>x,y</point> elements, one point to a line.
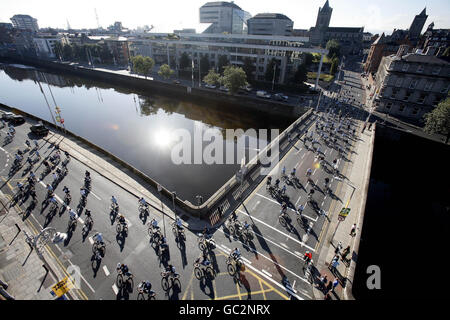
<point>45,45</point>
<point>274,24</point>
<point>417,25</point>
<point>224,17</point>
<point>437,40</point>
<point>350,38</point>
<point>23,21</point>
<point>184,30</point>
<point>410,85</point>
<point>238,48</point>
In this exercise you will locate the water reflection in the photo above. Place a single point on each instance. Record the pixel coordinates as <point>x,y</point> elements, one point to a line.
<point>137,126</point>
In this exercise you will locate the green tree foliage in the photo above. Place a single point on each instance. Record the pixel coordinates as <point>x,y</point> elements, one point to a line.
<point>204,64</point>
<point>334,65</point>
<point>212,78</point>
<point>301,75</point>
<point>234,78</point>
<point>222,63</point>
<point>165,71</point>
<point>57,49</point>
<point>185,61</point>
<point>248,68</point>
<point>334,48</point>
<point>67,52</point>
<point>268,76</point>
<point>142,65</point>
<point>438,120</point>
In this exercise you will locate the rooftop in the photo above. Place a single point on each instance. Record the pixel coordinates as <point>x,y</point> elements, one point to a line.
<point>271,16</point>
<point>345,29</point>
<point>221,4</point>
<point>422,58</point>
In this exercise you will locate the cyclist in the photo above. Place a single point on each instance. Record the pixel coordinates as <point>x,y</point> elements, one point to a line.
<point>308,173</point>
<point>203,260</point>
<point>114,201</point>
<point>171,269</point>
<point>54,201</point>
<point>88,213</point>
<point>28,143</point>
<point>235,254</point>
<point>33,194</point>
<point>179,224</point>
<point>73,215</point>
<point>121,219</point>
<point>124,268</point>
<point>307,257</point>
<point>30,161</point>
<point>83,193</point>
<point>20,186</point>
<point>283,190</point>
<point>283,208</point>
<point>277,183</point>
<point>66,190</point>
<point>205,233</point>
<point>246,225</point>
<point>87,174</point>
<point>98,237</point>
<point>300,209</point>
<point>269,182</point>
<point>143,202</point>
<point>154,223</point>
<point>49,189</point>
<point>283,171</point>
<point>46,164</point>
<point>293,172</point>
<point>147,286</point>
<point>36,144</point>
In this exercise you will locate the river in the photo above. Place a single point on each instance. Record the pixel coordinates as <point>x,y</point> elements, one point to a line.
<point>135,126</point>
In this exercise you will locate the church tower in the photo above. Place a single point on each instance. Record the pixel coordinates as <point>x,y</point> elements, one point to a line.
<point>324,16</point>
<point>417,25</point>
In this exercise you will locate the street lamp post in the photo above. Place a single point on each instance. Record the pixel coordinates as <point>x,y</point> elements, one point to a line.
<point>273,80</point>
<point>162,208</point>
<point>174,195</point>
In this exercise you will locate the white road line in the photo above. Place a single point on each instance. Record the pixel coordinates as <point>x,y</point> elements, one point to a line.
<point>297,201</point>
<point>81,220</point>
<point>267,273</point>
<point>95,195</point>
<point>105,269</point>
<point>91,240</point>
<point>310,218</point>
<point>246,260</point>
<point>284,245</point>
<point>286,235</point>
<point>303,155</point>
<point>114,287</point>
<point>298,151</point>
<point>2,149</point>
<point>314,171</point>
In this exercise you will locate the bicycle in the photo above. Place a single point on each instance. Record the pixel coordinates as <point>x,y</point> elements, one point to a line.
<point>234,265</point>
<point>201,271</point>
<point>99,248</point>
<point>178,233</point>
<point>204,243</point>
<point>247,234</point>
<point>143,210</point>
<point>151,295</point>
<point>72,225</point>
<point>154,233</point>
<point>88,224</point>
<point>67,199</point>
<point>235,226</point>
<point>120,281</point>
<point>114,207</point>
<point>283,218</point>
<point>121,227</point>
<point>170,280</point>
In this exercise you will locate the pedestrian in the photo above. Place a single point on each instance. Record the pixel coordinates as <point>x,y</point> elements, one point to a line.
<point>353,230</point>
<point>345,253</point>
<point>323,282</point>
<point>334,264</point>
<point>329,287</point>
<point>335,283</point>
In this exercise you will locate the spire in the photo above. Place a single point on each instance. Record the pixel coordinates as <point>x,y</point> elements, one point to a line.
<point>423,13</point>
<point>326,5</point>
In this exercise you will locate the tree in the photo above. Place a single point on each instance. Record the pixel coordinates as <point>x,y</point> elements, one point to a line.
<point>334,48</point>
<point>234,78</point>
<point>334,65</point>
<point>301,75</point>
<point>142,64</point>
<point>137,62</point>
<point>204,64</point>
<point>148,66</point>
<point>185,61</point>
<point>57,49</point>
<point>248,68</point>
<point>223,61</point>
<point>268,76</point>
<point>67,52</point>
<point>212,78</point>
<point>165,71</point>
<point>307,59</point>
<point>438,120</point>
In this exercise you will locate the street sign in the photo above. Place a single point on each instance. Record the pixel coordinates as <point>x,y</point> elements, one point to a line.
<point>62,287</point>
<point>344,212</point>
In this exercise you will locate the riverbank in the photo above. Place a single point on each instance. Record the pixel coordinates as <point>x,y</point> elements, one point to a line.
<point>224,100</point>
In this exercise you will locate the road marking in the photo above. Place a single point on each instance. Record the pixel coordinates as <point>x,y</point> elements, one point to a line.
<point>81,220</point>
<point>114,287</point>
<point>95,195</point>
<point>284,245</point>
<point>105,269</point>
<point>246,260</point>
<point>91,240</point>
<point>310,218</point>
<point>266,273</point>
<point>267,225</point>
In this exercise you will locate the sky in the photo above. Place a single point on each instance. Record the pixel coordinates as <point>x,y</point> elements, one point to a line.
<point>166,15</point>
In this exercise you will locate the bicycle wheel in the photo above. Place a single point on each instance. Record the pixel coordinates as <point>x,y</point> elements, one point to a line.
<point>150,232</point>
<point>119,228</point>
<point>198,273</point>
<point>165,284</point>
<point>231,269</point>
<point>130,284</point>
<point>102,250</point>
<point>232,229</point>
<point>175,233</point>
<point>210,272</point>
<point>140,296</point>
<point>282,221</point>
<point>202,246</point>
<point>152,296</point>
<point>94,248</point>
<point>119,281</point>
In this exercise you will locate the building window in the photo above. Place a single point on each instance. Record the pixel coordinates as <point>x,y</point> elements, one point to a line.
<point>420,68</point>
<point>413,84</point>
<point>415,110</point>
<point>445,88</point>
<point>407,95</point>
<point>429,86</point>
<point>388,105</point>
<point>399,82</point>
<point>422,98</point>
<point>436,70</point>
<point>405,67</point>
<point>402,107</point>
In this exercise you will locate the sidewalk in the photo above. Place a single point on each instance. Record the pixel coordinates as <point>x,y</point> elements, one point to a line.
<point>358,176</point>
<point>20,267</point>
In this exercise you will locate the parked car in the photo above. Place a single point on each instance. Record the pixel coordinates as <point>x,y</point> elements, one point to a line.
<point>280,97</point>
<point>176,81</point>
<point>17,120</point>
<point>7,115</point>
<point>39,129</point>
<point>262,94</point>
<point>222,88</point>
<point>210,86</point>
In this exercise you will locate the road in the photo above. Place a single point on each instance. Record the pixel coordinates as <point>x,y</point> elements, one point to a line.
<point>274,254</point>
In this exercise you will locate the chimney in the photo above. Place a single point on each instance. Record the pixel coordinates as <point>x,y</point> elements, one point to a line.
<point>402,50</point>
